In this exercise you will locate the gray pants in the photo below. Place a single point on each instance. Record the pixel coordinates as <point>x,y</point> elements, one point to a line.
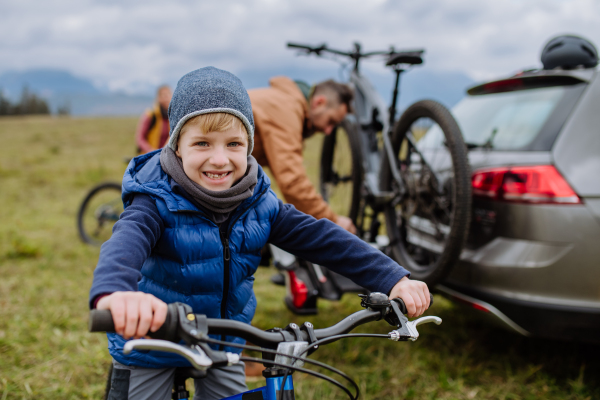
<point>138,383</point>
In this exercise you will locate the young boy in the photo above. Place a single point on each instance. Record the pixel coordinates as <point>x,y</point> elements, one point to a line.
<point>197,215</point>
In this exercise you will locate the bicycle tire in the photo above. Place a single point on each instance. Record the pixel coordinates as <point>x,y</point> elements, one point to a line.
<point>417,223</point>
<point>96,212</point>
<point>340,183</point>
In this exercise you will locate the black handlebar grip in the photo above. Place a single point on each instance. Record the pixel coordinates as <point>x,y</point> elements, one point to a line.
<point>403,306</point>
<point>101,321</point>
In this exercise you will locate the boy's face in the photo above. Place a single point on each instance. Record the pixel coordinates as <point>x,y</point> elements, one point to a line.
<point>214,160</point>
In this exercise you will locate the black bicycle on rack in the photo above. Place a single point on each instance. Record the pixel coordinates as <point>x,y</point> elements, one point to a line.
<point>412,170</point>
<point>284,351</point>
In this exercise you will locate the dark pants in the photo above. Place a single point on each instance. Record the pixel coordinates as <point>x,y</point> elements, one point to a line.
<point>137,383</point>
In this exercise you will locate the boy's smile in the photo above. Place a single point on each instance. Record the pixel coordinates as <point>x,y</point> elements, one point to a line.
<point>214,160</point>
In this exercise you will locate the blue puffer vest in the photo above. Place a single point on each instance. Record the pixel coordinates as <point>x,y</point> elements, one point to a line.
<point>188,263</point>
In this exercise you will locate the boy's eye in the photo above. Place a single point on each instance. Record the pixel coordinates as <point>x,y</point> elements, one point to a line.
<point>234,144</point>
<point>202,144</point>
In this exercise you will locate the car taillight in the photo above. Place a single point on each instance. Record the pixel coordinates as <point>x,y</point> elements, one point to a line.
<point>534,184</point>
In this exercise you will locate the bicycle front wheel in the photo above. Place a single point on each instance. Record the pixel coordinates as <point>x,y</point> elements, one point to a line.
<point>341,172</point>
<point>98,213</point>
<point>428,220</point>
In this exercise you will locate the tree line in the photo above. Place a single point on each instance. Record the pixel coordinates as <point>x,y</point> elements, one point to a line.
<point>29,104</point>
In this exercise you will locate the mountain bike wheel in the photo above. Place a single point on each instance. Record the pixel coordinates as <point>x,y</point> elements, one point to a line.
<point>428,220</point>
<point>341,170</point>
<point>98,213</point>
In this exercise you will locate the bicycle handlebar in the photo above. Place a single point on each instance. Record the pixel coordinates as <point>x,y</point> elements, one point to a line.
<point>292,343</point>
<point>356,55</point>
<point>172,329</point>
<point>101,321</point>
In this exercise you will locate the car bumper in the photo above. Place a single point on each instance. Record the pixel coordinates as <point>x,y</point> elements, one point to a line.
<point>529,318</point>
<point>539,269</point>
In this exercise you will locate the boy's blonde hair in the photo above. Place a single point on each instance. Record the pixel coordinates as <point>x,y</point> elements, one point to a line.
<point>215,122</point>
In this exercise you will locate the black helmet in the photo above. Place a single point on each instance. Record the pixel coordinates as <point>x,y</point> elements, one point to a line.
<point>568,52</point>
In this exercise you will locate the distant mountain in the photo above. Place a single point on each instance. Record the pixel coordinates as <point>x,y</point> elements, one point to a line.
<point>45,82</point>
<point>61,88</point>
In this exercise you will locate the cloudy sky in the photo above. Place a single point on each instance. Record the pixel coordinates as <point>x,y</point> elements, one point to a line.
<point>134,45</point>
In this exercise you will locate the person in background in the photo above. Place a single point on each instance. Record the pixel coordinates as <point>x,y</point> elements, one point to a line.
<point>153,128</point>
<point>286,113</point>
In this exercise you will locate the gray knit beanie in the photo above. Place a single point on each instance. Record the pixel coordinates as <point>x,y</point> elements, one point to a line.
<point>209,90</point>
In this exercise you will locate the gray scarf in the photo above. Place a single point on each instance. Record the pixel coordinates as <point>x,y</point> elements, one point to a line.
<point>221,203</point>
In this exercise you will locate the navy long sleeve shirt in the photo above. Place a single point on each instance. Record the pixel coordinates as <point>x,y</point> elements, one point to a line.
<point>318,241</point>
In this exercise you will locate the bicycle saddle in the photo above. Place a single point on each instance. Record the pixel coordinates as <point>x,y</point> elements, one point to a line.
<point>405,57</point>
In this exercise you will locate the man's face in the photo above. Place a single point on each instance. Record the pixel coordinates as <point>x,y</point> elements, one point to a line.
<point>324,115</point>
<point>164,97</point>
<point>214,160</point>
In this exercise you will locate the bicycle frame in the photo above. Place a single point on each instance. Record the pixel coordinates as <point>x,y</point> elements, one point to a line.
<point>370,109</point>
<point>371,113</point>
<point>268,392</point>
<point>373,116</point>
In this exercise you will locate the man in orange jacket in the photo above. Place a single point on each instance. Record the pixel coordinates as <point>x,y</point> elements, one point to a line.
<point>153,128</point>
<point>284,116</point>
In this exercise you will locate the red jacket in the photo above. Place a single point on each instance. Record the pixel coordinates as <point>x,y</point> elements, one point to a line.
<point>152,131</point>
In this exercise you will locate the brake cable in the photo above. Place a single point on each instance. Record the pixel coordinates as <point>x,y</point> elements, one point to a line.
<point>306,371</point>
<point>314,345</point>
<point>295,358</point>
<point>299,357</point>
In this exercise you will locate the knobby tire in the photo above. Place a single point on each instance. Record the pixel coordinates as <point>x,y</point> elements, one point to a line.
<point>460,194</point>
<point>101,188</point>
<point>347,130</point>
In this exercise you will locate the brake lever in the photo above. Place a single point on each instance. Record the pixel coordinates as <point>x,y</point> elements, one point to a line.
<point>194,353</point>
<point>409,329</point>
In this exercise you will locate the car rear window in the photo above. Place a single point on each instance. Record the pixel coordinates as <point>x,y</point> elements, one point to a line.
<point>520,120</point>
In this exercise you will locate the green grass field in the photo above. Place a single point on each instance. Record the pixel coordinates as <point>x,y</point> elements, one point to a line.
<point>46,167</point>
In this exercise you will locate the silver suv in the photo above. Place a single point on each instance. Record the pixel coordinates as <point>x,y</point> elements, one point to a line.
<point>532,260</point>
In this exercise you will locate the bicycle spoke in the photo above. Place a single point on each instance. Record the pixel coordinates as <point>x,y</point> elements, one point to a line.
<point>420,222</point>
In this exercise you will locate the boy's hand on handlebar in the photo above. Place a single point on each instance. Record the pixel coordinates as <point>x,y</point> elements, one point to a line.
<point>415,295</point>
<point>134,313</point>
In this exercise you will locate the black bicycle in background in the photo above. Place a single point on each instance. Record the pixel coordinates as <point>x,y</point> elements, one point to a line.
<point>378,168</point>
<point>98,212</point>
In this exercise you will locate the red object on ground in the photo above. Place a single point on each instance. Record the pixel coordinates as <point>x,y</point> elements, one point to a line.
<point>298,289</point>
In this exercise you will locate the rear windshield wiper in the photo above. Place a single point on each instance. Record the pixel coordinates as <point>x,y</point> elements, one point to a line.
<point>488,144</point>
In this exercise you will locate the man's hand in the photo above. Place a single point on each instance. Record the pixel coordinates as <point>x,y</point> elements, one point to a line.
<point>415,295</point>
<point>346,223</point>
<point>134,312</point>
